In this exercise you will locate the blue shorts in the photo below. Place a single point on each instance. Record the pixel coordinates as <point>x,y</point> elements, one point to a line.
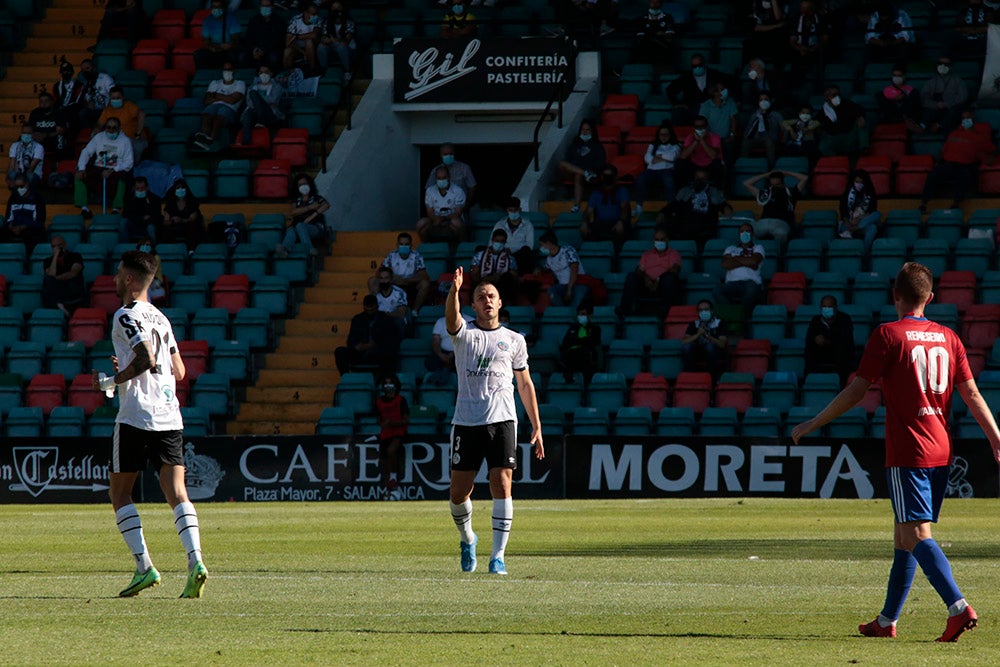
<point>917,493</point>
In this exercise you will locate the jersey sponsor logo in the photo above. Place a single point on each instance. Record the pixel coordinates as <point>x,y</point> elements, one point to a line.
<point>926,336</point>
<point>482,368</point>
<point>927,412</point>
<point>39,470</point>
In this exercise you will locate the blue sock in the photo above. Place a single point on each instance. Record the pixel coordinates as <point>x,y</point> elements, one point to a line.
<point>937,570</point>
<point>904,566</point>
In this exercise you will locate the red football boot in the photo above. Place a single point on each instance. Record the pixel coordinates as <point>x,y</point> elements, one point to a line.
<point>958,624</point>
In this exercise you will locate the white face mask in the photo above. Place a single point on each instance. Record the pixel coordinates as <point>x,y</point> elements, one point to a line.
<point>228,75</point>
<point>943,69</point>
<point>835,100</point>
<point>265,79</point>
<point>898,80</point>
<point>764,105</point>
<point>805,117</point>
<point>752,74</point>
<point>304,189</point>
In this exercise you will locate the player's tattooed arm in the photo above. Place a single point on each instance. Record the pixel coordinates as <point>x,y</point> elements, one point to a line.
<point>142,362</point>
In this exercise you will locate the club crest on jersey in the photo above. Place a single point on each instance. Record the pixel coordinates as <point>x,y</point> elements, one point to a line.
<point>503,345</point>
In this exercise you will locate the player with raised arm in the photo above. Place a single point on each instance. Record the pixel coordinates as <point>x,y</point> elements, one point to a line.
<point>488,359</point>
<point>920,363</point>
<point>149,426</point>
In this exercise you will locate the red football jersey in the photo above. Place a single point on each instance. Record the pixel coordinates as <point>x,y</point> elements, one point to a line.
<point>918,362</point>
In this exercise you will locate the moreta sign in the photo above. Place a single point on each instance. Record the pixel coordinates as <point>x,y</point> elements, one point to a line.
<point>434,71</point>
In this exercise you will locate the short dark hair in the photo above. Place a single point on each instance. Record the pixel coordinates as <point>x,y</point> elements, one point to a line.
<point>513,202</point>
<point>140,264</point>
<point>404,235</point>
<point>914,283</point>
<point>370,301</point>
<point>548,237</point>
<point>116,89</point>
<point>140,179</point>
<point>385,269</point>
<point>500,231</point>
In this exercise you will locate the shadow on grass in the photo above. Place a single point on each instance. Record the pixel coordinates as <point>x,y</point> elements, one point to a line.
<point>560,633</point>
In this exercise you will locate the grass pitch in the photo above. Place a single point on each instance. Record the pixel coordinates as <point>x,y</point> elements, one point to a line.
<point>643,582</point>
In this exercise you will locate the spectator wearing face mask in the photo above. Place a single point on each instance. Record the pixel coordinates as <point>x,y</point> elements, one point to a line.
<point>459,173</point>
<point>372,339</point>
<point>303,36</point>
<point>657,275</point>
<point>830,342</point>
<point>768,36</point>
<point>27,157</point>
<point>444,204</point>
<point>408,272</point>
<point>899,102</point>
<point>809,37</point>
<point>96,93</point>
<point>62,281</point>
<point>691,88</point>
<point>742,262</point>
<point>24,220</point>
<point>308,224</point>
<point>777,201</point>
<point>759,79</point>
<point>264,39</point>
<point>581,350</point>
<point>392,299</point>
<point>720,111</point>
<point>654,36</point>
<point>943,98</point>
<point>859,216</point>
<point>607,215</point>
<point>520,235</point>
<point>220,35</point>
<point>51,126</point>
<point>104,168</point>
<point>694,213</point>
<point>142,214</point>
<point>842,125</point>
<point>583,161</point>
<point>263,105</point>
<point>661,158</point>
<point>496,263</point>
<point>132,118</point>
<point>393,420</point>
<point>963,151</point>
<point>763,130</point>
<point>182,218</point>
<point>702,149</point>
<point>565,265</point>
<point>458,21</point>
<point>800,135</point>
<point>222,106</point>
<point>705,342</point>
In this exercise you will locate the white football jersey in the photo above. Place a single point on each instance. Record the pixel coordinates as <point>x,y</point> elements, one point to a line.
<point>485,360</point>
<point>149,401</point>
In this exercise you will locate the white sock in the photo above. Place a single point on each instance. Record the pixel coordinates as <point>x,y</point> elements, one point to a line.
<point>130,526</point>
<point>884,622</point>
<point>462,514</point>
<point>186,523</point>
<point>503,516</point>
<point>957,607</point>
<point>392,476</point>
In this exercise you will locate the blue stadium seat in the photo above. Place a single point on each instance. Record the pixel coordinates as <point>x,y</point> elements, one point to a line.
<point>555,321</point>
<point>189,293</point>
<point>768,322</point>
<point>70,227</point>
<point>665,357</point>
<point>197,421</point>
<point>209,260</point>
<point>778,390</point>
<point>597,257</point>
<point>12,259</point>
<point>101,424</point>
<point>66,358</point>
<point>799,414</point>
<point>425,421</point>
<point>11,323</point>
<point>818,389</point>
<point>25,292</point>
<point>946,225</point>
<point>267,229</point>
<point>631,421</point>
<point>253,327</point>
<point>606,392</point>
<point>11,391</point>
<point>250,259</point>
<point>295,265</point>
<point>211,325</point>
<point>66,422</point>
<point>232,181</point>
<point>974,255</point>
<point>625,357</point>
<point>565,395</point>
<point>26,358</point>
<point>933,253</point>
<point>761,423</point>
<point>675,422</point>
<point>22,422</point>
<point>945,314</point>
<point>47,325</point>
<point>827,282</point>
<point>851,424</point>
<point>590,421</point>
<point>902,224</point>
<point>720,422</point>
<point>817,226</point>
<point>441,397</point>
<point>805,254</point>
<point>231,358</point>
<point>871,290</point>
<point>337,420</point>
<point>270,293</point>
<point>861,317</point>
<point>211,391</point>
<point>845,255</point>
<point>641,327</point>
<point>803,316</point>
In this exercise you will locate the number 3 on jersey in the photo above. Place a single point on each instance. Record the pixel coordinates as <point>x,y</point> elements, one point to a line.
<point>932,367</point>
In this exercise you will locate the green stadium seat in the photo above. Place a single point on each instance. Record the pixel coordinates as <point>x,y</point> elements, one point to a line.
<point>803,316</point>
<point>101,423</point>
<point>861,317</point>
<point>845,256</point>
<point>675,422</point>
<point>441,396</point>
<point>209,260</point>
<point>902,224</point>
<point>641,327</point>
<point>232,359</point>
<point>11,391</point>
<point>111,56</point>
<point>819,225</point>
<point>946,225</point>
<point>825,283</point>
<point>989,289</point>
<point>606,392</point>
<point>307,113</point>
<point>295,266</point>
<point>173,259</point>
<point>232,181</point>
<point>26,358</point>
<point>625,357</point>
<point>336,421</point>
<point>94,256</point>
<point>851,424</point>
<point>66,421</point>
<point>799,414</point>
<point>103,230</point>
<point>945,314</point>
<point>250,259</point>
<point>933,253</point>
<point>70,227</point>
<point>99,357</point>
<point>633,421</point>
<point>761,422</point>
<point>665,357</point>
<point>718,422</point>
<point>768,322</point>
<point>156,114</point>
<point>135,84</point>
<point>11,323</point>
<point>818,389</point>
<point>565,395</point>
<point>171,145</point>
<point>974,254</point>
<point>178,321</point>
<point>47,325</point>
<point>12,259</point>
<point>253,327</point>
<point>425,421</point>
<point>778,390</point>
<point>25,292</point>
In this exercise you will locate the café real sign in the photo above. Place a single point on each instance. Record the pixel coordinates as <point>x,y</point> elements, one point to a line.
<point>434,71</point>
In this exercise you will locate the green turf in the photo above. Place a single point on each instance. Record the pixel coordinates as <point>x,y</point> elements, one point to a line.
<point>647,582</point>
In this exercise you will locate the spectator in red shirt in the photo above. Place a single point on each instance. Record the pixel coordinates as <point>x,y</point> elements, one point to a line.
<point>702,148</point>
<point>656,275</point>
<point>963,151</point>
<point>920,364</point>
<point>394,420</point>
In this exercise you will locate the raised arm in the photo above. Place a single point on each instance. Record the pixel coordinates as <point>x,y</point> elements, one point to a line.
<point>452,308</point>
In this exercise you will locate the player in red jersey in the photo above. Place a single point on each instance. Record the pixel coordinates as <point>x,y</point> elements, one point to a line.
<point>920,363</point>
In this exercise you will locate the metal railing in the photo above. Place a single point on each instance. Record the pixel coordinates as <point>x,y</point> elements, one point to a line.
<point>557,94</point>
<point>345,103</point>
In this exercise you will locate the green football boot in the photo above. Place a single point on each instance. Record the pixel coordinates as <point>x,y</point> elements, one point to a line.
<point>196,581</point>
<point>141,581</point>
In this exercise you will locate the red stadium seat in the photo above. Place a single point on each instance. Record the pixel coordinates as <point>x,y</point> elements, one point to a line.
<point>184,392</point>
<point>291,144</point>
<point>629,166</point>
<point>981,325</point>
<point>3,291</point>
<point>639,139</point>
<point>738,395</point>
<point>977,359</point>
<point>260,143</point>
<point>787,289</point>
<point>88,325</point>
<point>182,55</point>
<point>621,102</point>
<point>231,292</point>
<point>957,287</point>
<point>46,392</point>
<point>693,390</point>
<point>169,25</point>
<point>989,178</point>
<point>170,85</point>
<point>911,174</point>
<point>199,16</point>
<point>879,167</point>
<point>648,391</point>
<point>894,149</point>
<point>623,118</point>
<point>270,179</point>
<point>194,354</point>
<point>83,395</point>
<point>895,131</point>
<point>678,320</point>
<point>752,356</point>
<point>150,55</point>
<point>610,137</point>
<point>104,295</point>
<point>830,176</point>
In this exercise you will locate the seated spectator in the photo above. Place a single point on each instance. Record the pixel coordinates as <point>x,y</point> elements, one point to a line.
<point>373,340</point>
<point>444,204</point>
<point>142,214</point>
<point>777,202</point>
<point>303,36</point>
<point>590,18</point>
<point>694,213</point>
<point>657,275</point>
<point>62,281</point>
<point>496,263</point>
<point>654,36</point>
<point>581,350</point>
<point>50,126</point>
<point>702,149</point>
<point>720,112</point>
<point>182,218</point>
<point>607,215</point>
<point>393,420</point>
<point>890,36</point>
<point>943,98</point>
<point>392,299</point>
<point>660,158</point>
<point>809,37</point>
<point>131,117</point>
<point>157,291</point>
<point>800,135</point>
<point>742,261</point>
<point>830,342</point>
<point>220,35</point>
<point>24,220</point>
<point>520,235</point>
<point>759,79</point>
<point>458,21</point>
<point>441,360</point>
<point>969,39</point>
<point>842,124</point>
<point>408,272</point>
<point>763,130</point>
<point>264,39</point>
<point>123,19</point>
<point>263,105</point>
<point>27,157</point>
<point>691,88</point>
<point>222,106</point>
<point>899,102</point>
<point>705,342</point>
<point>96,93</point>
<point>584,159</point>
<point>459,173</point>
<point>68,92</point>
<point>338,38</point>
<point>768,36</point>
<point>308,224</point>
<point>565,265</point>
<point>859,216</point>
<point>105,166</point>
<point>963,151</point>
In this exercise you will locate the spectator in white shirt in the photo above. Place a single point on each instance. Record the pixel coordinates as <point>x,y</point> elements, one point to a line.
<point>445,203</point>
<point>742,262</point>
<point>26,157</point>
<point>105,165</point>
<point>408,272</point>
<point>302,38</point>
<point>459,173</point>
<point>565,264</point>
<point>223,101</point>
<point>392,299</point>
<point>520,235</point>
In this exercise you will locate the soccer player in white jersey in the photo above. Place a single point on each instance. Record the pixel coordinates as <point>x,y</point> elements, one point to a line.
<point>488,359</point>
<point>149,426</point>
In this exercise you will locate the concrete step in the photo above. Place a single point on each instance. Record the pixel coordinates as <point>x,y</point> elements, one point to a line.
<point>376,244</point>
<point>298,412</point>
<point>86,28</point>
<point>352,295</point>
<point>271,428</point>
<point>298,379</point>
<point>303,361</point>
<point>50,59</point>
<point>64,12</point>
<point>335,328</point>
<point>278,395</point>
<point>61,45</point>
<point>336,278</point>
<point>360,266</point>
<point>307,344</point>
<point>330,311</point>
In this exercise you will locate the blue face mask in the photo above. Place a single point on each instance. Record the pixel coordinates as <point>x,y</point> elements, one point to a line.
<point>498,246</point>
<point>26,138</point>
<point>180,192</point>
<point>705,315</point>
<point>585,137</point>
<point>404,250</point>
<point>146,248</point>
<point>266,11</point>
<point>448,160</point>
<point>660,246</point>
<point>457,10</point>
<point>826,312</point>
<point>745,237</point>
<point>514,215</point>
<point>217,13</point>
<point>582,319</point>
<point>967,123</point>
<point>140,194</point>
<point>117,104</point>
<point>698,71</point>
<point>112,135</point>
<point>442,183</point>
